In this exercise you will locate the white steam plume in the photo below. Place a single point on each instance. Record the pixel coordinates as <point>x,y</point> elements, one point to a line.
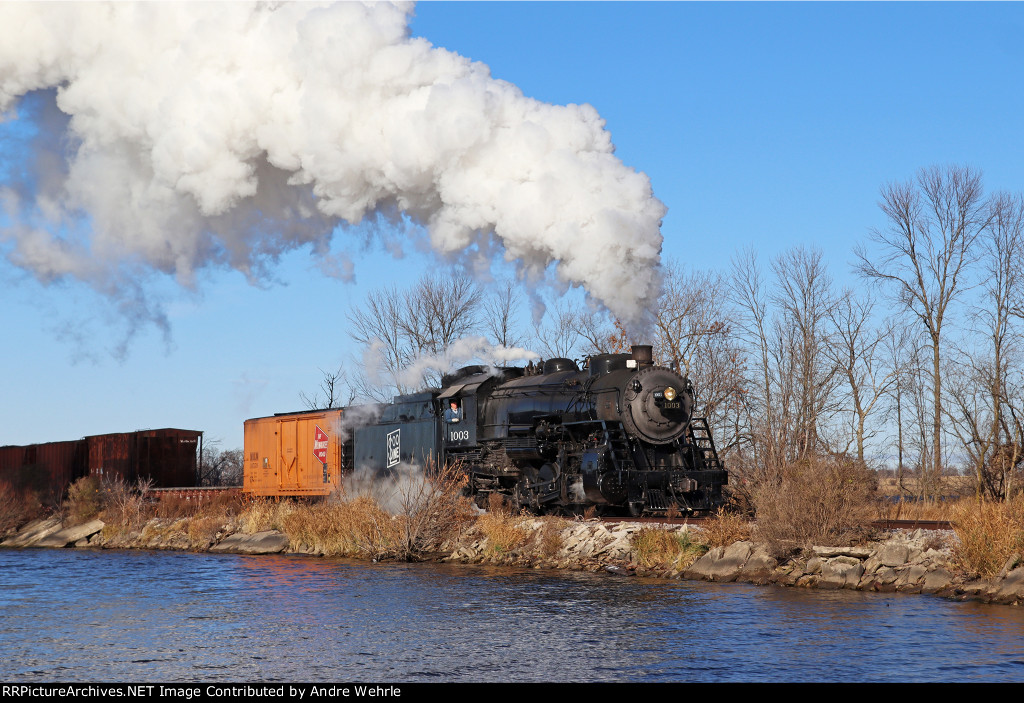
<point>224,134</point>
<point>459,353</point>
<point>428,368</point>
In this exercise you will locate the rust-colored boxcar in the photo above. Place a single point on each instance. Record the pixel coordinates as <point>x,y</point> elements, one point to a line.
<point>299,453</point>
<point>46,468</point>
<point>170,457</point>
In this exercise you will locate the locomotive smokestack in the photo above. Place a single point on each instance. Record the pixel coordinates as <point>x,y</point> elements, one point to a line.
<point>643,355</point>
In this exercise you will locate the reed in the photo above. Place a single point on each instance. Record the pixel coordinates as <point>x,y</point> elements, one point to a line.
<point>989,534</point>
<point>356,528</point>
<point>725,528</point>
<point>503,532</point>
<point>665,549</point>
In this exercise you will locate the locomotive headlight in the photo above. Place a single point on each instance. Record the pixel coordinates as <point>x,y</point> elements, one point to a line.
<point>670,394</point>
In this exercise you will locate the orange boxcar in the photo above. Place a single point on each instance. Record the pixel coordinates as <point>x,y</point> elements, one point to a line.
<point>294,453</point>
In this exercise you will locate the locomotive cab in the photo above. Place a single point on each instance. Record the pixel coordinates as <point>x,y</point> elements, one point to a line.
<point>458,412</point>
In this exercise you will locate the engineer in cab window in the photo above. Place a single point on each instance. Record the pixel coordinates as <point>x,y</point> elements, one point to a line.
<point>453,414</point>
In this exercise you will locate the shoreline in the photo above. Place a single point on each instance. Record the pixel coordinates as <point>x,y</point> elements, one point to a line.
<point>914,563</point>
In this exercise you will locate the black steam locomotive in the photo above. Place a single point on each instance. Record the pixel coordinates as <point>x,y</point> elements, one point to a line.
<point>618,434</point>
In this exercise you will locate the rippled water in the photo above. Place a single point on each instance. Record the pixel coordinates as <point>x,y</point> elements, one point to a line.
<point>146,616</point>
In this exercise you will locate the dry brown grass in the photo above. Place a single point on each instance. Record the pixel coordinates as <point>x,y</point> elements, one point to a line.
<point>357,528</point>
<point>497,505</point>
<point>665,549</point>
<point>260,514</point>
<point>912,486</point>
<point>821,500</point>
<point>989,533</point>
<point>503,532</point>
<point>171,507</point>
<point>550,540</point>
<point>426,511</point>
<point>163,530</point>
<point>218,503</point>
<point>202,530</point>
<point>230,502</point>
<point>928,509</point>
<point>725,528</point>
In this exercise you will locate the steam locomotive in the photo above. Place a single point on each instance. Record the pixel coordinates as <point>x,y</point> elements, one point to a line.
<point>617,436</point>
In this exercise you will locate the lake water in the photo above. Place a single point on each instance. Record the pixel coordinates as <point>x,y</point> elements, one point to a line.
<point>136,616</point>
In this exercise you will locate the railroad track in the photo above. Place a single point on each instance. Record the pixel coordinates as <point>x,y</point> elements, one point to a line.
<point>881,524</point>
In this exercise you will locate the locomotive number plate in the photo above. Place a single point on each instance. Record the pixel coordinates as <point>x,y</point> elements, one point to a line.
<point>671,405</point>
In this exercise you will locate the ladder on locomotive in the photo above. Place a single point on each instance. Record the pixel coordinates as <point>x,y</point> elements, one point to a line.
<point>704,444</point>
<point>618,445</point>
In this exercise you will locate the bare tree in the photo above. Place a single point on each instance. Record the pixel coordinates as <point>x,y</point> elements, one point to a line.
<point>220,467</point>
<point>334,391</point>
<point>761,424</point>
<point>792,381</point>
<point>901,352</point>
<point>440,310</point>
<point>694,334</point>
<point>556,336</point>
<point>856,350</point>
<point>500,315</point>
<point>398,327</point>
<point>987,412</point>
<point>803,295</point>
<point>596,330</point>
<point>377,327</point>
<point>924,253</point>
<point>573,330</point>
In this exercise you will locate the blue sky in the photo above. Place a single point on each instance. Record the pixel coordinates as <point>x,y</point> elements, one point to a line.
<point>765,125</point>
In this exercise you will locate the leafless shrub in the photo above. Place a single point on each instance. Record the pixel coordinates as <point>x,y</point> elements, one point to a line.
<point>85,500</point>
<point>546,536</point>
<point>124,505</point>
<point>433,510</point>
<point>820,500</point>
<point>17,507</point>
<point>550,540</point>
<point>403,516</point>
